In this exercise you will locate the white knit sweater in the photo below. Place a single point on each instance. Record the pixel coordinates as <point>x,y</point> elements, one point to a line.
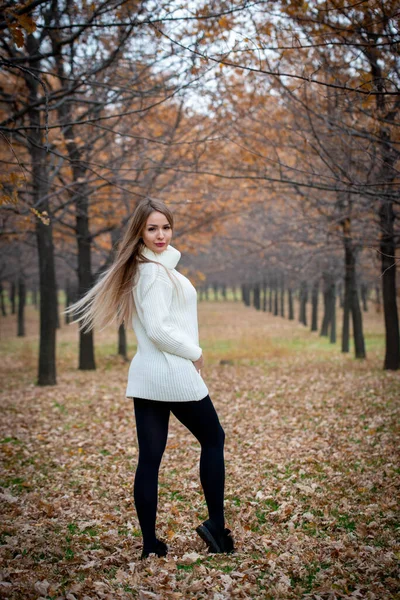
<point>166,328</point>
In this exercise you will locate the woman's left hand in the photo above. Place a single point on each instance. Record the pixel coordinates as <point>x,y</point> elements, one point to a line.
<point>199,363</point>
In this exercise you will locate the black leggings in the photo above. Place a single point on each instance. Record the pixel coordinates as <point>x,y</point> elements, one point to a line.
<point>152,418</point>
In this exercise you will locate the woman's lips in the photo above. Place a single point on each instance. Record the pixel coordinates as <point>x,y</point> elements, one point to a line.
<point>160,244</point>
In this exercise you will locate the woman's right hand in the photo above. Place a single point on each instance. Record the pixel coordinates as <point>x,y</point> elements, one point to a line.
<point>199,363</point>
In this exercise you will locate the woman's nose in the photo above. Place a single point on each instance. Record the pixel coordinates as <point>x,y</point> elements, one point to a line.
<point>160,234</point>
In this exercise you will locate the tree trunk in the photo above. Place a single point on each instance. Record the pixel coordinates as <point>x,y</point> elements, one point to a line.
<point>256,296</point>
<point>388,268</point>
<point>314,306</point>
<point>122,346</point>
<point>48,318</point>
<point>270,298</point>
<point>291,307</point>
<point>264,304</point>
<point>215,288</point>
<point>351,300</point>
<point>81,196</point>
<point>358,334</point>
<point>326,319</point>
<point>44,233</point>
<point>276,300</point>
<point>332,337</point>
<point>12,297</point>
<point>2,301</point>
<point>303,303</point>
<point>388,175</point>
<point>21,307</point>
<point>349,281</point>
<point>223,290</point>
<point>364,296</point>
<point>85,280</point>
<point>245,294</point>
<point>282,305</point>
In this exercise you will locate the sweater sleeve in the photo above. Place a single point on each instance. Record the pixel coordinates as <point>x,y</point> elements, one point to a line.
<point>154,297</point>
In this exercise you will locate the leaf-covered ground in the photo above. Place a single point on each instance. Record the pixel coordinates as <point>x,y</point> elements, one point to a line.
<point>312,470</point>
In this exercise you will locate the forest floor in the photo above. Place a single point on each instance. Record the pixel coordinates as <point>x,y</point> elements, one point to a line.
<point>312,470</point>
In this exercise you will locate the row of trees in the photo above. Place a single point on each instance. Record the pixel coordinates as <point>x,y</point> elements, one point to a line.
<point>271,130</point>
<point>272,295</point>
<point>279,301</point>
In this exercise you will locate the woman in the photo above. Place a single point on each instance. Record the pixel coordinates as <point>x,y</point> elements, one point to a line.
<point>143,287</point>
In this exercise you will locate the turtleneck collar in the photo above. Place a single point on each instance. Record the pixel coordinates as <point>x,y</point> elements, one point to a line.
<point>169,257</point>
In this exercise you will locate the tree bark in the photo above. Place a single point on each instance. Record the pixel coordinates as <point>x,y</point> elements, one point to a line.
<point>21,307</point>
<point>358,334</point>
<point>388,115</point>
<point>282,303</point>
<point>264,304</point>
<point>351,299</point>
<point>44,233</point>
<point>12,296</point>
<point>85,279</point>
<point>364,296</point>
<point>291,307</point>
<point>388,268</point>
<point>256,296</point>
<point>245,294</point>
<point>81,196</point>
<point>270,297</point>
<point>215,288</point>
<point>303,303</point>
<point>332,337</point>
<point>349,281</point>
<point>2,301</point>
<point>314,306</point>
<point>276,303</point>
<point>223,291</point>
<point>326,319</point>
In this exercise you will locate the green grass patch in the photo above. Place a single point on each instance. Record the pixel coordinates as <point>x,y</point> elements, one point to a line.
<point>344,521</point>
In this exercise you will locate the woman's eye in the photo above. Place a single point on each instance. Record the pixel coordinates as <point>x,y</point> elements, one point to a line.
<point>153,228</point>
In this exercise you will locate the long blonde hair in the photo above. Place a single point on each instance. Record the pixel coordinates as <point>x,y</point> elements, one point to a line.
<point>111,298</point>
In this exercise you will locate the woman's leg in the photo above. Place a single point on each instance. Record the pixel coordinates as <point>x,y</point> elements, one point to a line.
<point>152,431</point>
<point>201,419</point>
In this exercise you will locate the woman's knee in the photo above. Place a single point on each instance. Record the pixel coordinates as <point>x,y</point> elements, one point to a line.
<point>215,438</point>
<point>151,456</point>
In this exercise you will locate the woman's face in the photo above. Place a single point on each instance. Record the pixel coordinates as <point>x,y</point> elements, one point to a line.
<point>157,232</point>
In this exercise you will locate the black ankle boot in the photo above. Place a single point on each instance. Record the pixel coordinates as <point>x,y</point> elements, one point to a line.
<point>160,549</point>
<point>217,539</point>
